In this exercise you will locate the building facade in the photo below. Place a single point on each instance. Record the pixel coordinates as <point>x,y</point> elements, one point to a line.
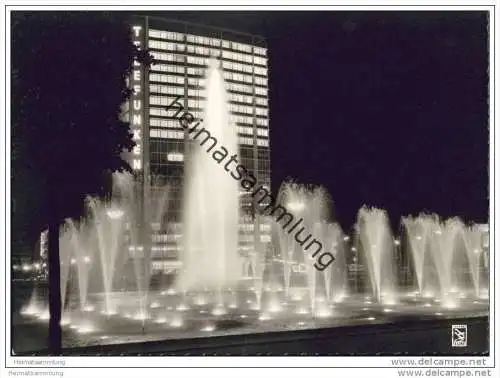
<point>181,52</point>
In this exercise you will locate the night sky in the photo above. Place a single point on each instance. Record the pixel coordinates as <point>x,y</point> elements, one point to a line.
<point>388,109</point>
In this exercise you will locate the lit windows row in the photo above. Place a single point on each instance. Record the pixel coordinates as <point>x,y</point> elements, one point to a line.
<point>200,104</point>
<point>261,101</point>
<point>170,46</point>
<point>166,89</point>
<point>261,111</point>
<point>200,50</point>
<point>153,33</point>
<point>261,81</point>
<point>245,140</point>
<point>196,81</point>
<point>167,134</point>
<point>241,108</point>
<point>249,227</point>
<point>261,91</point>
<point>262,132</point>
<point>160,100</point>
<point>260,71</point>
<point>241,119</point>
<point>168,68</point>
<point>241,47</point>
<point>240,98</point>
<point>262,143</point>
<point>239,87</point>
<point>159,112</point>
<point>194,103</point>
<point>174,79</point>
<point>238,77</point>
<point>175,156</point>
<point>197,60</point>
<point>179,58</point>
<point>265,238</point>
<point>259,50</point>
<point>199,93</point>
<point>260,61</point>
<point>165,238</point>
<point>176,134</point>
<point>245,130</point>
<point>196,71</point>
<point>195,92</point>
<point>197,114</point>
<point>201,40</point>
<point>237,66</point>
<point>262,122</point>
<point>237,56</point>
<point>159,122</point>
<point>201,61</point>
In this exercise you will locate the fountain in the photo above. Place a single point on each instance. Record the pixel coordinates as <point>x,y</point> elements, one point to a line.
<point>252,271</point>
<point>376,243</point>
<point>211,201</point>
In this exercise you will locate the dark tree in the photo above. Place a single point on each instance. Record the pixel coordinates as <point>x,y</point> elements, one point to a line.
<point>68,84</point>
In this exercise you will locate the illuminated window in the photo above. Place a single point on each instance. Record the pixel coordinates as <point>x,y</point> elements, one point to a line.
<point>158,122</point>
<point>262,132</point>
<point>166,89</point>
<point>237,118</point>
<point>194,71</point>
<point>168,57</point>
<point>198,82</point>
<point>168,134</point>
<point>261,71</point>
<point>265,238</point>
<point>161,100</point>
<point>175,156</point>
<point>261,101</point>
<point>260,60</point>
<point>239,87</point>
<point>240,98</point>
<point>245,140</point>
<point>197,60</point>
<point>259,50</point>
<point>160,112</point>
<point>261,81</point>
<point>195,103</point>
<point>261,91</point>
<point>262,142</point>
<point>265,227</point>
<point>215,53</point>
<point>261,111</point>
<point>154,33</point>
<point>245,130</point>
<point>241,108</point>
<point>261,122</point>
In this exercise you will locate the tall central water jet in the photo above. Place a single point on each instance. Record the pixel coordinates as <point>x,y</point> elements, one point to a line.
<point>211,203</point>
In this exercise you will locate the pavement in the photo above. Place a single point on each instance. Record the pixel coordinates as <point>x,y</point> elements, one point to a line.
<point>415,337</point>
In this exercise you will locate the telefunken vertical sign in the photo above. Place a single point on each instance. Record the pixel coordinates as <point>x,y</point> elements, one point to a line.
<point>137,106</point>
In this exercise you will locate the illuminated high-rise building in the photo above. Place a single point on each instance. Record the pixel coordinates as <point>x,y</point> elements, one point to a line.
<point>181,51</point>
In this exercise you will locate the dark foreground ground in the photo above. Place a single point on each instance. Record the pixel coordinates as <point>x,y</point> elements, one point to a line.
<point>413,338</point>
